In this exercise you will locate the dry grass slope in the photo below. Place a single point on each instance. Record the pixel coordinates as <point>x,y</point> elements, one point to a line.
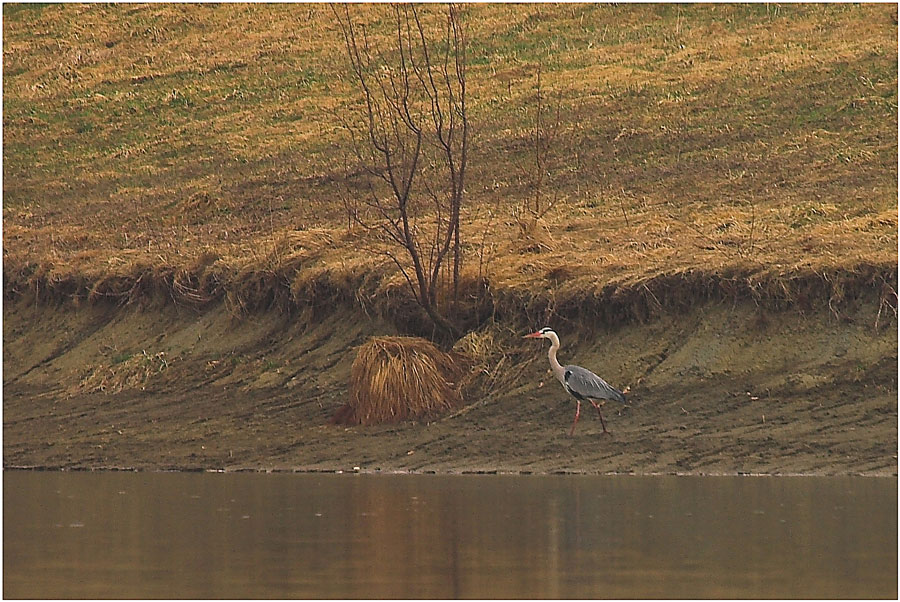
<point>192,154</point>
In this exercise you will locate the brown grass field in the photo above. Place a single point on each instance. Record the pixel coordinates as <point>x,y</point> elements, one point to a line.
<point>192,151</point>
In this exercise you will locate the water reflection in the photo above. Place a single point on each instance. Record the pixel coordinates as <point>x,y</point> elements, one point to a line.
<point>372,536</point>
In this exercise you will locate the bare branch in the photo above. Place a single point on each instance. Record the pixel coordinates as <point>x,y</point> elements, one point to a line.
<point>412,142</point>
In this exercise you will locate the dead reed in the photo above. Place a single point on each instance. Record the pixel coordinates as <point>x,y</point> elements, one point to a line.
<point>398,378</point>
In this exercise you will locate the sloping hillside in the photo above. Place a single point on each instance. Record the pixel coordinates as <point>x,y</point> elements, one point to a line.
<point>196,145</point>
<point>183,289</point>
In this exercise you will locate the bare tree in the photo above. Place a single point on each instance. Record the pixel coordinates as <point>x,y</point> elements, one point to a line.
<point>410,137</point>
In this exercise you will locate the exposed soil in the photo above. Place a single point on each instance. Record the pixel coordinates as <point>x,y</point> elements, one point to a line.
<point>725,388</point>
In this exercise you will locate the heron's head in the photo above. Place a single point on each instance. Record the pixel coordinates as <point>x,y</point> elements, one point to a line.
<point>543,333</point>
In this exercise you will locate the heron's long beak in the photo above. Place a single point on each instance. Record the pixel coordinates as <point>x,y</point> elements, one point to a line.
<point>533,335</point>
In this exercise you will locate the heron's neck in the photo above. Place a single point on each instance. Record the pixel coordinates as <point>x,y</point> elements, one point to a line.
<point>554,363</point>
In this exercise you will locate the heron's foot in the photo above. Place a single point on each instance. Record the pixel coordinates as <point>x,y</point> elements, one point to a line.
<point>606,432</point>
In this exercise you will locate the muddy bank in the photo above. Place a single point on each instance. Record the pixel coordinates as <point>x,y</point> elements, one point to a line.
<point>726,387</point>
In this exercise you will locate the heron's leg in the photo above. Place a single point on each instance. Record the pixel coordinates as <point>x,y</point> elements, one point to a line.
<point>577,415</point>
<point>602,421</point>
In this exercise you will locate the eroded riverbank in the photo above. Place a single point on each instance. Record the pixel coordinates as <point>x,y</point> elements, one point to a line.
<point>723,389</point>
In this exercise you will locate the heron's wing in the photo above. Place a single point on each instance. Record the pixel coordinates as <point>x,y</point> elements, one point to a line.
<point>583,382</point>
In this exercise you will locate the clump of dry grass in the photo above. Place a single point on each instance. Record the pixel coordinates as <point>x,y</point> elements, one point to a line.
<point>534,236</point>
<point>398,378</point>
<point>494,355</point>
<point>132,372</point>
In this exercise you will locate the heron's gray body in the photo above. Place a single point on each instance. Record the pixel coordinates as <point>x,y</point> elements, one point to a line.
<point>582,383</point>
<point>579,382</point>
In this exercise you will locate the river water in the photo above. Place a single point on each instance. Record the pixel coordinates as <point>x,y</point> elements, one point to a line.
<point>247,535</point>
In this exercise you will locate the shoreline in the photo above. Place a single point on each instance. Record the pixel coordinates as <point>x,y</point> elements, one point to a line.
<point>449,473</point>
<point>725,388</point>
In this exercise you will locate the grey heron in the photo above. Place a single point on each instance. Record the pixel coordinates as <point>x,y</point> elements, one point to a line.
<point>580,383</point>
